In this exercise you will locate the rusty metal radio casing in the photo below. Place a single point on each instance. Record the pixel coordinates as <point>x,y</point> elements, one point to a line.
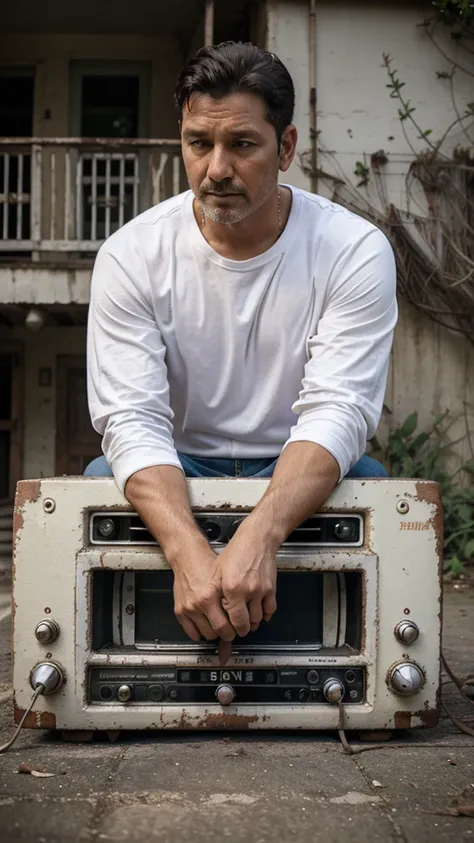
<point>358,618</point>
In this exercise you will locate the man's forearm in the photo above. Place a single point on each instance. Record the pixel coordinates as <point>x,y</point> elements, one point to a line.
<point>160,496</point>
<point>304,477</point>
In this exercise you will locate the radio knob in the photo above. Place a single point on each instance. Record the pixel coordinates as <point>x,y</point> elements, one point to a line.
<point>406,632</point>
<point>344,530</point>
<point>406,678</point>
<point>106,528</point>
<point>46,631</point>
<point>333,690</point>
<point>225,694</point>
<point>124,693</point>
<point>313,677</point>
<point>49,675</point>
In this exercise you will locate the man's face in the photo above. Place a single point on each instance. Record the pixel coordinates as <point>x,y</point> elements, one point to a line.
<point>230,153</point>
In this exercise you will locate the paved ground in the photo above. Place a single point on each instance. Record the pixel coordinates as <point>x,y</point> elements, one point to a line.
<point>245,788</point>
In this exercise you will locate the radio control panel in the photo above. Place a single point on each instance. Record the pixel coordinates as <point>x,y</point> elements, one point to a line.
<point>184,685</point>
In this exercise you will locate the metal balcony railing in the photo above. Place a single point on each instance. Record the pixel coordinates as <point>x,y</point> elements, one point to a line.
<point>70,194</point>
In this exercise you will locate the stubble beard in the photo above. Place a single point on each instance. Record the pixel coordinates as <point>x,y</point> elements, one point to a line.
<point>232,216</point>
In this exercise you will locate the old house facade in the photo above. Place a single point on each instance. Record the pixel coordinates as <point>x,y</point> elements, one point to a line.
<point>88,139</point>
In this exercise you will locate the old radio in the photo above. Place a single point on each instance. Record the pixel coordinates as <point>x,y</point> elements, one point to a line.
<point>357,624</point>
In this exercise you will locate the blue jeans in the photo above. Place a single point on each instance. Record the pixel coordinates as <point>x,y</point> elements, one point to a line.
<point>216,467</point>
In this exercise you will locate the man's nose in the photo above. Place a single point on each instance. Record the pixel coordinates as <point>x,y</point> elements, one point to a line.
<point>220,165</point>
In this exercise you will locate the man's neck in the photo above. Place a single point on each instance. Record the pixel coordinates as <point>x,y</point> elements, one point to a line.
<point>253,235</point>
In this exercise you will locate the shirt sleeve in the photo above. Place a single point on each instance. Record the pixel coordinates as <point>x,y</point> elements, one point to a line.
<point>341,398</point>
<point>128,388</point>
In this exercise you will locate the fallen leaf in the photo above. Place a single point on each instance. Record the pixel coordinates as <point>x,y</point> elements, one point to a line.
<point>465,809</point>
<point>34,771</point>
<point>237,752</point>
<point>375,783</point>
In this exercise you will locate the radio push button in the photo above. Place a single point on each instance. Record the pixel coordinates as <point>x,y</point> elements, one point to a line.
<point>155,692</point>
<point>333,690</point>
<point>46,631</point>
<point>406,632</point>
<point>313,677</point>
<point>225,694</point>
<point>124,693</point>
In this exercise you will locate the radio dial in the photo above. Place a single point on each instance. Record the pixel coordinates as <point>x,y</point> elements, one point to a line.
<point>405,678</point>
<point>46,631</point>
<point>406,632</point>
<point>225,694</point>
<point>48,674</point>
<point>333,690</point>
<point>124,693</point>
<point>344,530</point>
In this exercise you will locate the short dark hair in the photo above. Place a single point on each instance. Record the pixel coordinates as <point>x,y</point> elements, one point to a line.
<point>235,67</point>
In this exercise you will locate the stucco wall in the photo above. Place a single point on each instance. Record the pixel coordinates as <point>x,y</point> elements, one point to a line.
<point>431,368</point>
<point>39,434</point>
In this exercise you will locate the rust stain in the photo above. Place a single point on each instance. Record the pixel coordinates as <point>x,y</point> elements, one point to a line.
<point>227,721</point>
<point>429,491</point>
<point>27,491</point>
<point>36,719</point>
<point>429,717</point>
<point>402,719</point>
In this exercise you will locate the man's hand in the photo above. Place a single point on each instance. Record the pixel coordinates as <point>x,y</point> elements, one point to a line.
<point>198,596</point>
<point>304,477</point>
<point>248,571</point>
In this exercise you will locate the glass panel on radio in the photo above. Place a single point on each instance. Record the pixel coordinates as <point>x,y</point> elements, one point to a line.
<point>315,609</point>
<point>298,620</point>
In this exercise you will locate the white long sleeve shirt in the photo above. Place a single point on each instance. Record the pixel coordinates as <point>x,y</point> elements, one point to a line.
<point>190,351</point>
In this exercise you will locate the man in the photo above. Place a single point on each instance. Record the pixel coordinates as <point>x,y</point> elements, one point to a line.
<point>242,328</point>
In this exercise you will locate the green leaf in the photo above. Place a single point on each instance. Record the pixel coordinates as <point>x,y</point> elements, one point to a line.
<point>456,567</point>
<point>469,550</point>
<point>418,443</point>
<point>409,425</point>
<point>465,512</point>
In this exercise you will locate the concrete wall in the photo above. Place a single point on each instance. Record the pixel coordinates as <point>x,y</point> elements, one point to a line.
<point>52,54</point>
<point>39,435</point>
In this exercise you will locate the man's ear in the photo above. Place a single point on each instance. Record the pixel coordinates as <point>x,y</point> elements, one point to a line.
<point>287,150</point>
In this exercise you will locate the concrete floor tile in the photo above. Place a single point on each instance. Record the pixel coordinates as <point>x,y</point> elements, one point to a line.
<point>242,822</point>
<point>43,822</point>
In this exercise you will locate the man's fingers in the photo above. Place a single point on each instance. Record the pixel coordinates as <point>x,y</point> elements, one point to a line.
<point>255,612</point>
<point>239,617</point>
<point>224,650</point>
<point>219,621</point>
<point>190,628</point>
<point>269,605</point>
<point>204,626</point>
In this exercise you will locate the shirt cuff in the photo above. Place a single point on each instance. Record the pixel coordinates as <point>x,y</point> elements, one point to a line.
<point>124,467</point>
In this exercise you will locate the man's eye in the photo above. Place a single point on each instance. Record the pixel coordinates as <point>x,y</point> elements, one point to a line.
<point>243,144</point>
<point>199,144</point>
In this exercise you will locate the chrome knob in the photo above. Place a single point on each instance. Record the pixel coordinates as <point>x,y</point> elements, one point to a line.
<point>225,694</point>
<point>405,678</point>
<point>406,632</point>
<point>49,675</point>
<point>106,528</point>
<point>46,631</point>
<point>124,693</point>
<point>333,690</point>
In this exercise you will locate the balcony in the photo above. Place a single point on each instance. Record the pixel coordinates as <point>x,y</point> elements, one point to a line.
<point>65,196</point>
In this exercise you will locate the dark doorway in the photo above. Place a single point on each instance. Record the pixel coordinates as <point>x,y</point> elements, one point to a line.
<point>17,87</point>
<point>10,419</point>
